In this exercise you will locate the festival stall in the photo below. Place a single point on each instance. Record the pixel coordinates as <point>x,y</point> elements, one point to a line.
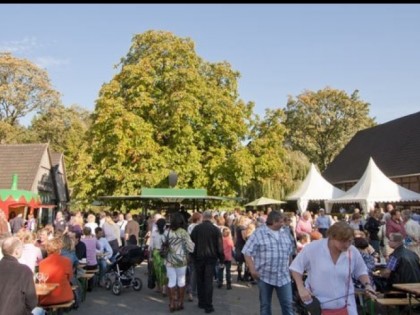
<point>18,200</point>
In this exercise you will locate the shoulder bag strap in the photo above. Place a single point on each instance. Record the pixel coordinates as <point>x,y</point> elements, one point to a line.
<point>349,277</point>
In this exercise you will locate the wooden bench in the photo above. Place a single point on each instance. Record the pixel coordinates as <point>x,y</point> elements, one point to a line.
<point>55,308</point>
<point>84,281</point>
<point>364,303</point>
<point>395,302</point>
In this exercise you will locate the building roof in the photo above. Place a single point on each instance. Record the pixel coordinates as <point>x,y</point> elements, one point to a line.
<point>55,158</point>
<point>22,159</point>
<point>373,187</point>
<point>395,147</point>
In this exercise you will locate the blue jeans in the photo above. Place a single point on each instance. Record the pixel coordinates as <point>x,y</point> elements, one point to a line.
<point>284,294</point>
<point>220,272</point>
<point>38,311</point>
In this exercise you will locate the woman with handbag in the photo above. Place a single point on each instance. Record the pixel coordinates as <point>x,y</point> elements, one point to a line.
<point>180,245</point>
<point>330,264</point>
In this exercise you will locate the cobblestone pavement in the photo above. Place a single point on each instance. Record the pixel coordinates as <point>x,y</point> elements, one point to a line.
<point>241,300</point>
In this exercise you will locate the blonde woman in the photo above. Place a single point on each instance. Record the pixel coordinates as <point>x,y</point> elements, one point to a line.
<point>91,223</point>
<point>59,270</point>
<point>31,255</point>
<point>112,233</point>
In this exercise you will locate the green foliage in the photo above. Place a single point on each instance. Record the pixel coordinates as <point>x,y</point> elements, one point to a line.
<point>167,109</point>
<point>24,88</point>
<point>66,130</point>
<point>275,168</point>
<point>321,123</point>
<point>12,134</point>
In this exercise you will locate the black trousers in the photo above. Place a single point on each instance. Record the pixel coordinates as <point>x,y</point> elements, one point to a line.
<point>205,275</point>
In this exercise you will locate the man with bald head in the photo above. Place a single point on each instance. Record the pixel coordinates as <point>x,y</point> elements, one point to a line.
<point>132,230</point>
<point>17,286</point>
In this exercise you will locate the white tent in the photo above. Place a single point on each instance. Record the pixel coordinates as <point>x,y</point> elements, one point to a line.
<point>264,202</point>
<point>314,187</point>
<point>373,187</point>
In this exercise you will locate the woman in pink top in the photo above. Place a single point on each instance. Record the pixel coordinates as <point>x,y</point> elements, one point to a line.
<point>227,250</point>
<point>395,224</point>
<point>304,224</point>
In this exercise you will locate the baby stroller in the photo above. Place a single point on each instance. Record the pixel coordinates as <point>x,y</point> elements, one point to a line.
<point>121,272</point>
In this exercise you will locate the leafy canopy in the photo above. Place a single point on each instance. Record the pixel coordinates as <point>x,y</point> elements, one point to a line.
<point>321,123</point>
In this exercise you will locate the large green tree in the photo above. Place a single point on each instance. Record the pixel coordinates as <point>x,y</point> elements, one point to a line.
<point>168,109</point>
<point>24,88</point>
<point>275,168</point>
<point>65,128</point>
<point>321,123</point>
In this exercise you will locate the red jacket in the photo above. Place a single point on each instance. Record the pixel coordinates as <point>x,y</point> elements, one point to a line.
<point>59,270</point>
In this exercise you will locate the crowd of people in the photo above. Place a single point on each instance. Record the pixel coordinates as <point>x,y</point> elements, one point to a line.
<point>286,253</point>
<point>57,253</point>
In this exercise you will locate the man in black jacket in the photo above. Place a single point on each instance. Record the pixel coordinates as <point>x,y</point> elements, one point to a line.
<point>17,286</point>
<point>403,265</point>
<point>208,251</point>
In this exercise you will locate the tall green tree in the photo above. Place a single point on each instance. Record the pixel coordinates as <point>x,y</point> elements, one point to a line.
<point>24,88</point>
<point>275,168</point>
<point>321,123</point>
<point>167,109</point>
<point>65,128</point>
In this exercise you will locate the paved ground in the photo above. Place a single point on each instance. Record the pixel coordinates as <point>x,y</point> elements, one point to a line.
<point>240,300</point>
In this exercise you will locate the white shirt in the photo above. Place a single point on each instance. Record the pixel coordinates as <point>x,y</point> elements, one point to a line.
<point>326,280</point>
<point>122,225</point>
<point>31,255</point>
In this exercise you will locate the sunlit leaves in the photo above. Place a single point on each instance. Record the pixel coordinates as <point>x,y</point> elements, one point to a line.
<point>24,88</point>
<point>321,123</point>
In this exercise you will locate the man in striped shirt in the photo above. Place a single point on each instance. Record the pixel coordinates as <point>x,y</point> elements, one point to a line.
<point>267,254</point>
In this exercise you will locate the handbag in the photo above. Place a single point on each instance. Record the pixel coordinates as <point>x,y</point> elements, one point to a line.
<point>337,311</point>
<point>164,248</point>
<point>343,310</point>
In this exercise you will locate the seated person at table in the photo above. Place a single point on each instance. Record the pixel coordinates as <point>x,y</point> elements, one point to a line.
<point>59,270</point>
<point>17,286</point>
<point>362,245</point>
<point>104,253</point>
<point>80,247</point>
<point>90,241</point>
<point>403,265</point>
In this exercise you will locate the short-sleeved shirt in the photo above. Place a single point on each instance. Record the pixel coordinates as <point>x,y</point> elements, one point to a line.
<point>329,281</point>
<point>271,251</point>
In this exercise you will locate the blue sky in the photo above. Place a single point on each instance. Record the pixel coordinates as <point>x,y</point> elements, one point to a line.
<point>279,49</point>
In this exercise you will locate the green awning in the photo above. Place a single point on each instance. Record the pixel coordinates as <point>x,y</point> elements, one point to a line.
<point>173,194</point>
<point>170,195</point>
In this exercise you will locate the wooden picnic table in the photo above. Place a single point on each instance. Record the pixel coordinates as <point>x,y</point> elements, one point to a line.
<point>410,288</point>
<point>45,288</point>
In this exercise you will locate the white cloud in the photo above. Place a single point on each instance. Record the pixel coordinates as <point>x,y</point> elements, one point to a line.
<point>20,46</point>
<point>50,62</point>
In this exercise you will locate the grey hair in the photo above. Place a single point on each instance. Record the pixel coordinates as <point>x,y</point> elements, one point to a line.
<point>396,237</point>
<point>208,215</point>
